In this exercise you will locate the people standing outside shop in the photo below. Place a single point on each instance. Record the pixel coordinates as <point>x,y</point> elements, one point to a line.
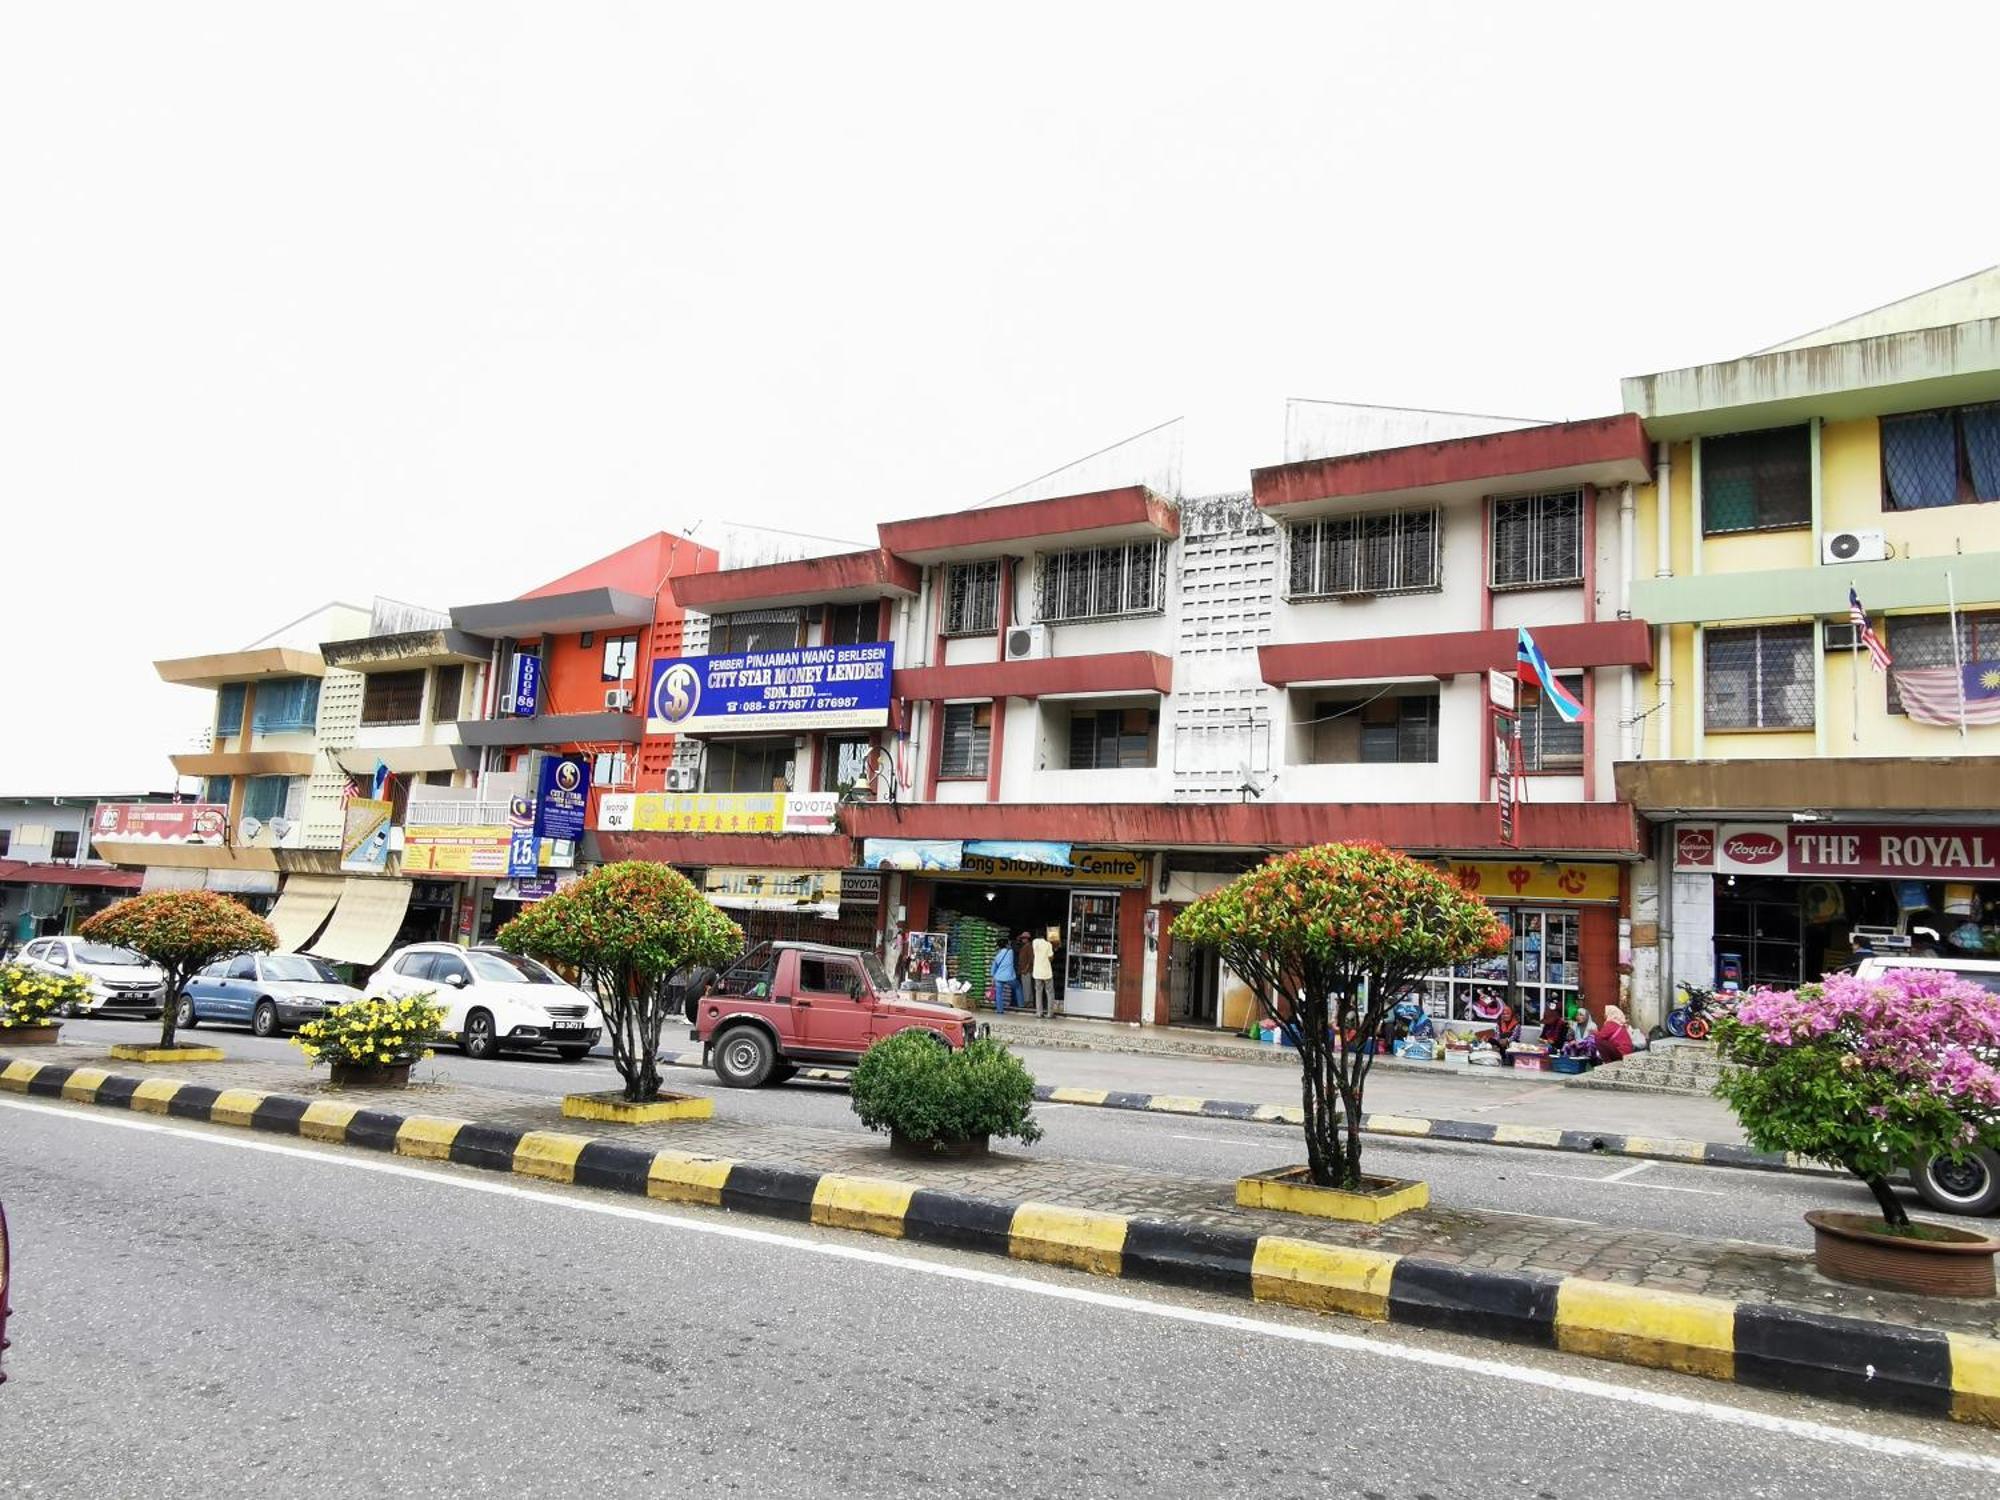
<point>1005,977</point>
<point>1045,976</point>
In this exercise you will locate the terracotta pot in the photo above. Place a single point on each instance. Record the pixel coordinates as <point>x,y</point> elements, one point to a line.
<point>1853,1248</point>
<point>971,1146</point>
<point>30,1036</point>
<point>371,1075</point>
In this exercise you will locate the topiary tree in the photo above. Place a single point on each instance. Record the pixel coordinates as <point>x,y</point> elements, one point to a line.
<point>913,1085</point>
<point>181,933</point>
<point>625,929</point>
<point>1877,1074</point>
<point>1328,938</point>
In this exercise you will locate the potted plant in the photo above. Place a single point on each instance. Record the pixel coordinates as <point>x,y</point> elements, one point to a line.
<point>1329,939</point>
<point>373,1042</point>
<point>937,1102</point>
<point>1874,1075</point>
<point>30,1002</point>
<point>180,933</point>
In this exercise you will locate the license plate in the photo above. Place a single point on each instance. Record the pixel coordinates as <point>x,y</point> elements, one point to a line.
<point>566,1026</point>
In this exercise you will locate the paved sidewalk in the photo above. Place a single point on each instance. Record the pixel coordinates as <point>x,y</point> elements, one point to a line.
<point>1659,1262</point>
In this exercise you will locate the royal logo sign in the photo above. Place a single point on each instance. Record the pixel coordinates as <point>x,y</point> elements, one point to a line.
<point>1753,848</point>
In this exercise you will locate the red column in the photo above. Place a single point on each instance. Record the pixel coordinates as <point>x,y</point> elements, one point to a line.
<point>934,751</point>
<point>1131,955</point>
<point>1597,956</point>
<point>1589,615</point>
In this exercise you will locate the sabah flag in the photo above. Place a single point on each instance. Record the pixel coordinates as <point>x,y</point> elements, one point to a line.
<point>1533,668</point>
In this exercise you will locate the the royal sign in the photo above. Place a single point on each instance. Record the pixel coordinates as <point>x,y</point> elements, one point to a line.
<point>1861,850</point>
<point>756,692</point>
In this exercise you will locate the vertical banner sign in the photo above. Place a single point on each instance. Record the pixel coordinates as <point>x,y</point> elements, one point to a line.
<point>527,685</point>
<point>522,862</point>
<point>565,792</point>
<point>1506,745</point>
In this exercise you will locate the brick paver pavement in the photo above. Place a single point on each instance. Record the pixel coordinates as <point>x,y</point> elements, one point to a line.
<point>1670,1262</point>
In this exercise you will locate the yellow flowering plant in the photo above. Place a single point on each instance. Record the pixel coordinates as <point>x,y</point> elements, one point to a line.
<point>30,997</point>
<point>376,1029</point>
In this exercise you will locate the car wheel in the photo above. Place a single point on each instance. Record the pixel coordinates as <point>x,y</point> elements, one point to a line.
<point>744,1057</point>
<point>264,1019</point>
<point>477,1041</point>
<point>1971,1186</point>
<point>784,1072</point>
<point>572,1054</point>
<point>184,1016</point>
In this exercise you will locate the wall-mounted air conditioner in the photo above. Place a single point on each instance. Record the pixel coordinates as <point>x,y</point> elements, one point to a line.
<point>506,703</point>
<point>617,700</point>
<point>1027,642</point>
<point>1853,546</point>
<point>683,779</point>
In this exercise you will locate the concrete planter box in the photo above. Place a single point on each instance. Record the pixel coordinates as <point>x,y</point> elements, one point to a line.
<point>1291,1190</point>
<point>31,1036</point>
<point>616,1109</point>
<point>370,1075</point>
<point>144,1052</point>
<point>971,1148</point>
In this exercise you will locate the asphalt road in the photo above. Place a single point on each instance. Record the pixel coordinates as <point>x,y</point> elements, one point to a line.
<point>1757,1207</point>
<point>205,1313</point>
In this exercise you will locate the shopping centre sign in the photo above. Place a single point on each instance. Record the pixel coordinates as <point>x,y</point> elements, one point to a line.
<point>1863,850</point>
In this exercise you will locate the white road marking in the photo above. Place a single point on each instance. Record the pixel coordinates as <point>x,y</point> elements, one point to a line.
<point>1622,1179</point>
<point>1346,1343</point>
<point>1644,1166</point>
<point>1223,1140</point>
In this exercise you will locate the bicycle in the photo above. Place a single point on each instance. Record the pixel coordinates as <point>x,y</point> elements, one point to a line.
<point>1690,1019</point>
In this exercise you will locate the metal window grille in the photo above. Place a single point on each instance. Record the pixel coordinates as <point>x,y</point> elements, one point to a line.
<point>754,630</point>
<point>1538,539</point>
<point>1948,457</point>
<point>1385,553</point>
<point>972,598</point>
<point>447,687</point>
<point>968,738</point>
<point>1759,678</point>
<point>1092,583</point>
<point>1925,641</point>
<point>1548,741</point>
<point>393,698</point>
<point>1756,481</point>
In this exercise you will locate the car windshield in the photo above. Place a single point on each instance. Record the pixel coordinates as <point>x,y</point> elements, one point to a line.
<point>105,954</point>
<point>877,975</point>
<point>509,970</point>
<point>300,968</point>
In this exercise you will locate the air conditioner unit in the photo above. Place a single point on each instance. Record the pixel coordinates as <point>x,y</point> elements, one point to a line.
<point>506,703</point>
<point>1839,637</point>
<point>618,700</point>
<point>1027,642</point>
<point>683,779</point>
<point>1853,546</point>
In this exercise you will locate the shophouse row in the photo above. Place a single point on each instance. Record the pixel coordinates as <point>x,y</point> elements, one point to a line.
<point>1082,711</point>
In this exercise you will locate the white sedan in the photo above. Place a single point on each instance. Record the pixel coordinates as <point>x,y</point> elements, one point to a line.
<point>493,999</point>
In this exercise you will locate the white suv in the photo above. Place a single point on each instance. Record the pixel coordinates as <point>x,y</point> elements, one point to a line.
<point>1971,1186</point>
<point>119,978</point>
<point>493,999</point>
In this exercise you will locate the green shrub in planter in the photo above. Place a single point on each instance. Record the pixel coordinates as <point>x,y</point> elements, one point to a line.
<point>914,1086</point>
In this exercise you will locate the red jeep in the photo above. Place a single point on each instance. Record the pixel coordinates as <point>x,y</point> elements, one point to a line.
<point>784,1004</point>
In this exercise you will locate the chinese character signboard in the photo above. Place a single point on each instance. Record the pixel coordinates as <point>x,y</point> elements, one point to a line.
<point>778,692</point>
<point>691,812</point>
<point>1536,880</point>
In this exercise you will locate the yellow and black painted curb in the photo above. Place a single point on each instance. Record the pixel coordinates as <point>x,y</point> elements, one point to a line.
<point>1455,1132</point>
<point>1874,1364</point>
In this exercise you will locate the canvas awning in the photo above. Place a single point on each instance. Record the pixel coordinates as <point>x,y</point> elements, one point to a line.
<point>302,909</point>
<point>365,922</point>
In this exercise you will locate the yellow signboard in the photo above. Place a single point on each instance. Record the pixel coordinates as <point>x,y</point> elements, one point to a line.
<point>1086,867</point>
<point>692,812</point>
<point>1533,880</point>
<point>455,849</point>
<point>364,835</point>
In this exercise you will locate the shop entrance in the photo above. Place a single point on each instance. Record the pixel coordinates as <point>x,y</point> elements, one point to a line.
<point>975,919</point>
<point>1193,979</point>
<point>1789,930</point>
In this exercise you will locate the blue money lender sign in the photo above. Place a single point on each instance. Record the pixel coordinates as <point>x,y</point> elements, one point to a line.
<point>810,687</point>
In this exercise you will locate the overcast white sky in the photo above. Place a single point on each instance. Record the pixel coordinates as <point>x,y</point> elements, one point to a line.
<point>439,301</point>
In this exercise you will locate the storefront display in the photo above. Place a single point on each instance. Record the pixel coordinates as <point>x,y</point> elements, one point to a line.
<point>1540,975</point>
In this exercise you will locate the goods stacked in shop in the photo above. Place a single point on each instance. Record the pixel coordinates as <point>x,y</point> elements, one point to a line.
<point>974,941</point>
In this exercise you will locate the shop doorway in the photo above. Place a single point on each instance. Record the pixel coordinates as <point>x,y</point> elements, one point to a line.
<point>976,918</point>
<point>1193,982</point>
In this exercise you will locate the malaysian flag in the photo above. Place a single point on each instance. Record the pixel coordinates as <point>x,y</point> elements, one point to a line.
<point>1950,696</point>
<point>1865,633</point>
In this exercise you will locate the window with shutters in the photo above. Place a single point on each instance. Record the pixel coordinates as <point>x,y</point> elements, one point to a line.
<point>286,705</point>
<point>1113,739</point>
<point>447,686</point>
<point>1538,540</point>
<point>64,843</point>
<point>852,624</point>
<point>1759,678</point>
<point>968,740</point>
<point>1548,741</point>
<point>972,598</point>
<point>1934,458</point>
<point>264,797</point>
<point>393,697</point>
<point>1925,641</point>
<point>1388,553</point>
<point>1375,727</point>
<point>843,762</point>
<point>748,765</point>
<point>1097,583</point>
<point>1756,481</point>
<point>229,709</point>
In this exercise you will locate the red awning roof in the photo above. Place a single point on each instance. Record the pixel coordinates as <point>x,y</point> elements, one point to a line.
<point>22,872</point>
